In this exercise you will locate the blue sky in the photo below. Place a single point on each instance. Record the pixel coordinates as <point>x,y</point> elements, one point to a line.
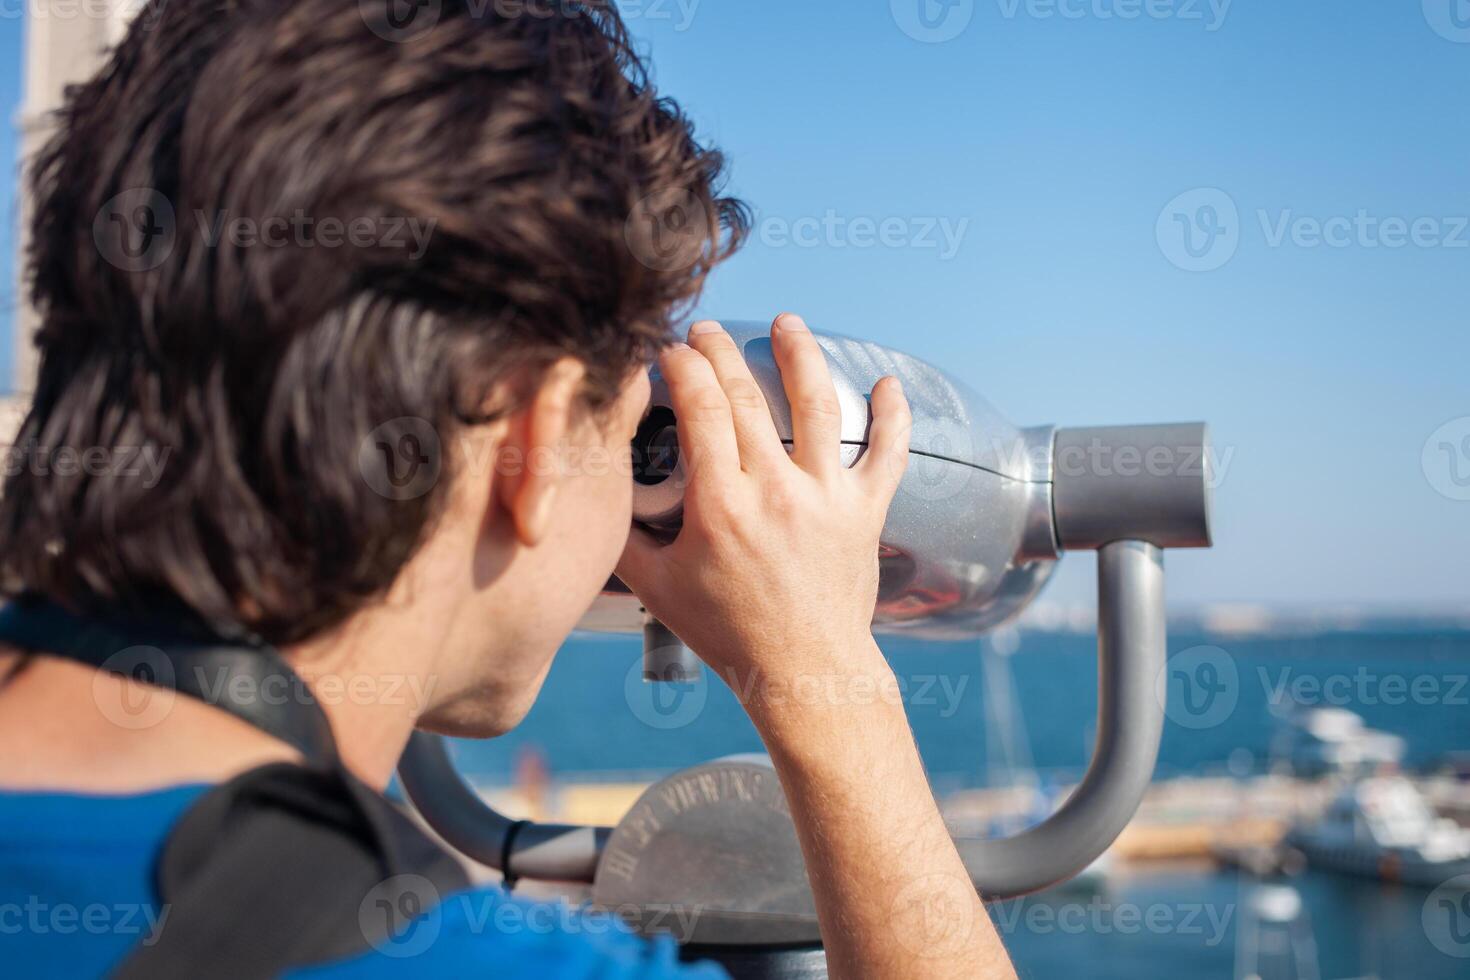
<point>1037,164</point>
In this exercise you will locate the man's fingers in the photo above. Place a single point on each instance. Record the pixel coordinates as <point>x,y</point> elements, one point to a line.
<point>754,431</point>
<point>887,455</point>
<point>707,445</point>
<point>816,418</point>
<point>642,564</point>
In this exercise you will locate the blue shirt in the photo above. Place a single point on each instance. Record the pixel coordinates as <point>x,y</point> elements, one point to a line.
<point>77,893</point>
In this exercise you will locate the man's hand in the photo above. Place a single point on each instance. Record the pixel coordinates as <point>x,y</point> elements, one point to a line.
<point>772,580</point>
<point>775,572</point>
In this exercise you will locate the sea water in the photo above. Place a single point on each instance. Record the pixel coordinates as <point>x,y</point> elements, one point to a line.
<point>597,720</point>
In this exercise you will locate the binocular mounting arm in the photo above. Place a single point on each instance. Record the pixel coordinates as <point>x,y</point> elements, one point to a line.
<point>1131,655</point>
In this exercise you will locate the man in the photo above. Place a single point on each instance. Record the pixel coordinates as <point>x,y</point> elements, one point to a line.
<point>226,290</point>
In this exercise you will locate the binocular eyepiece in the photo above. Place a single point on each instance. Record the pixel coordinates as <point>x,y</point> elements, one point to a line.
<point>656,447</point>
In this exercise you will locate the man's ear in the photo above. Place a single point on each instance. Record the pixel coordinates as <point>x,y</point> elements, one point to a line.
<point>536,433</point>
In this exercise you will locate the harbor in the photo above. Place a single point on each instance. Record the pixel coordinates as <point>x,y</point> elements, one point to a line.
<point>1220,820</point>
<point>1206,880</point>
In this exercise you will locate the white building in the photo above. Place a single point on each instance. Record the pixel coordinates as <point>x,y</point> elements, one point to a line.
<point>65,43</point>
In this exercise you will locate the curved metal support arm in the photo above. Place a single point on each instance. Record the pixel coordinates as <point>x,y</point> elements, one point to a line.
<point>1131,651</point>
<point>550,852</point>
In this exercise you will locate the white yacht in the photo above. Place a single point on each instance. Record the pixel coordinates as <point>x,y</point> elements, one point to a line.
<point>1383,828</point>
<point>1327,741</point>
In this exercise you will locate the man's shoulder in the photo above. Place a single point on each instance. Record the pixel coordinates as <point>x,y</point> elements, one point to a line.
<point>479,930</point>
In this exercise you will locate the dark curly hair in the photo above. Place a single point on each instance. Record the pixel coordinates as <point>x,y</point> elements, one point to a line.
<point>220,283</point>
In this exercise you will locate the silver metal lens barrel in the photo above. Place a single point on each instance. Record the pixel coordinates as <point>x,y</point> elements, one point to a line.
<point>1132,482</point>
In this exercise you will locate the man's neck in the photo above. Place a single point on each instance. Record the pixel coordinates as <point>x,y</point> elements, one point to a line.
<point>371,696</point>
<point>67,727</point>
